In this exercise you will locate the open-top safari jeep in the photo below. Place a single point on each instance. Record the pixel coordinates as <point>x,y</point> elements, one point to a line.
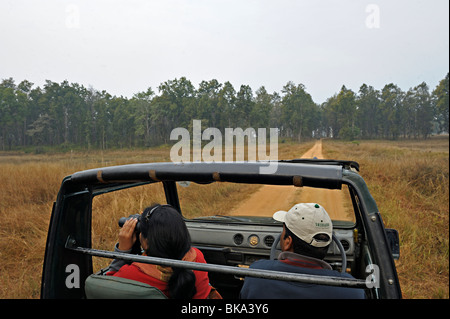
<point>362,246</point>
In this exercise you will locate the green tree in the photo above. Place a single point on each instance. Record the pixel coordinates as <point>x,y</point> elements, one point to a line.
<point>368,102</point>
<point>275,113</point>
<point>176,99</point>
<point>226,105</point>
<point>38,129</point>
<point>346,114</point>
<point>300,114</point>
<point>207,98</point>
<point>441,100</point>
<point>41,129</point>
<point>143,118</point>
<point>8,107</point>
<point>409,115</point>
<point>99,118</point>
<point>391,98</point>
<point>244,105</point>
<point>329,111</point>
<point>261,113</point>
<point>424,109</point>
<point>124,132</point>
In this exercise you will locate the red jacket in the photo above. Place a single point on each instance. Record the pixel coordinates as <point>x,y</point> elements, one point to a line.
<point>158,276</point>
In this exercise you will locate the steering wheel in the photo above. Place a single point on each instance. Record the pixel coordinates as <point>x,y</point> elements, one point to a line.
<point>274,251</point>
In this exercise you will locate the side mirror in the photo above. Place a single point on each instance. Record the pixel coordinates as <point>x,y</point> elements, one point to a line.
<point>394,242</point>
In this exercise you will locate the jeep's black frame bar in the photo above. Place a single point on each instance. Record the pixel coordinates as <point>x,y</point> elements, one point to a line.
<point>232,270</point>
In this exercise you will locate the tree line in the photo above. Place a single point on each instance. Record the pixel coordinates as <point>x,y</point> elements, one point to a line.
<point>69,114</point>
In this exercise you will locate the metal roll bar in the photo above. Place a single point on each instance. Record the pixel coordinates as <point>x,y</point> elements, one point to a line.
<point>259,273</point>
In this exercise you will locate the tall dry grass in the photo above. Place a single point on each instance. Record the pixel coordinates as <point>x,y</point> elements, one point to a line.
<point>410,183</point>
<point>26,195</point>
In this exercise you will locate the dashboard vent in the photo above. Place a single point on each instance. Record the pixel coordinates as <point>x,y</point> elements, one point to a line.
<point>268,241</point>
<point>345,244</point>
<point>238,239</point>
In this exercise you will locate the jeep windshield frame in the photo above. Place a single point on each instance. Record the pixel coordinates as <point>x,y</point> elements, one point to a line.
<point>297,174</point>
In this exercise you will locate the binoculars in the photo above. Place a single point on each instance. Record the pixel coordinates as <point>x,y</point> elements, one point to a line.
<point>122,221</point>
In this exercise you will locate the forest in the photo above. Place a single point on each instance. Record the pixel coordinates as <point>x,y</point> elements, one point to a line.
<point>72,115</point>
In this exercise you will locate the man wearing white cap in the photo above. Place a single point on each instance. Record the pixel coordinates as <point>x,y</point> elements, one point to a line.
<point>307,234</point>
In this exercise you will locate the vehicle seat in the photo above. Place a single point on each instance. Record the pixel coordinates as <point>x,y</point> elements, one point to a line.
<point>110,287</point>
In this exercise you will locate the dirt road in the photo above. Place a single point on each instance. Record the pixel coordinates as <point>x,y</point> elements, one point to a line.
<point>271,198</point>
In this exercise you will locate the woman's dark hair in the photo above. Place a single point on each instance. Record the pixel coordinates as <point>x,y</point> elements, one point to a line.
<point>303,248</point>
<point>167,236</point>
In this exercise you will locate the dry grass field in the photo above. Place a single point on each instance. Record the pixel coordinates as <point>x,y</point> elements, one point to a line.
<point>409,181</point>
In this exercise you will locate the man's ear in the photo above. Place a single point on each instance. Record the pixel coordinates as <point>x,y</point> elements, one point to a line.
<point>288,244</point>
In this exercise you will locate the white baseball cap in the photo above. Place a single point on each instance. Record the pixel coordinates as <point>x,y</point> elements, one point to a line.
<point>306,220</point>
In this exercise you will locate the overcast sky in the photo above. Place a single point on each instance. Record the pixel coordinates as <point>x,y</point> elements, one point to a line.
<point>126,46</point>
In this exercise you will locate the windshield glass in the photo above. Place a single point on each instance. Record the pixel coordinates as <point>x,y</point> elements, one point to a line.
<point>218,201</point>
<point>237,200</point>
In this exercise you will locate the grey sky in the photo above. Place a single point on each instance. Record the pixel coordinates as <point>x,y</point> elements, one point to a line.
<point>126,46</point>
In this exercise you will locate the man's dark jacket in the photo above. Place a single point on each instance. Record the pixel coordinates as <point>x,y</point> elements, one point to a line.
<point>259,288</point>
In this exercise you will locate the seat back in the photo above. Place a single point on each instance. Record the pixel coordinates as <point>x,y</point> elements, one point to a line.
<point>110,287</point>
